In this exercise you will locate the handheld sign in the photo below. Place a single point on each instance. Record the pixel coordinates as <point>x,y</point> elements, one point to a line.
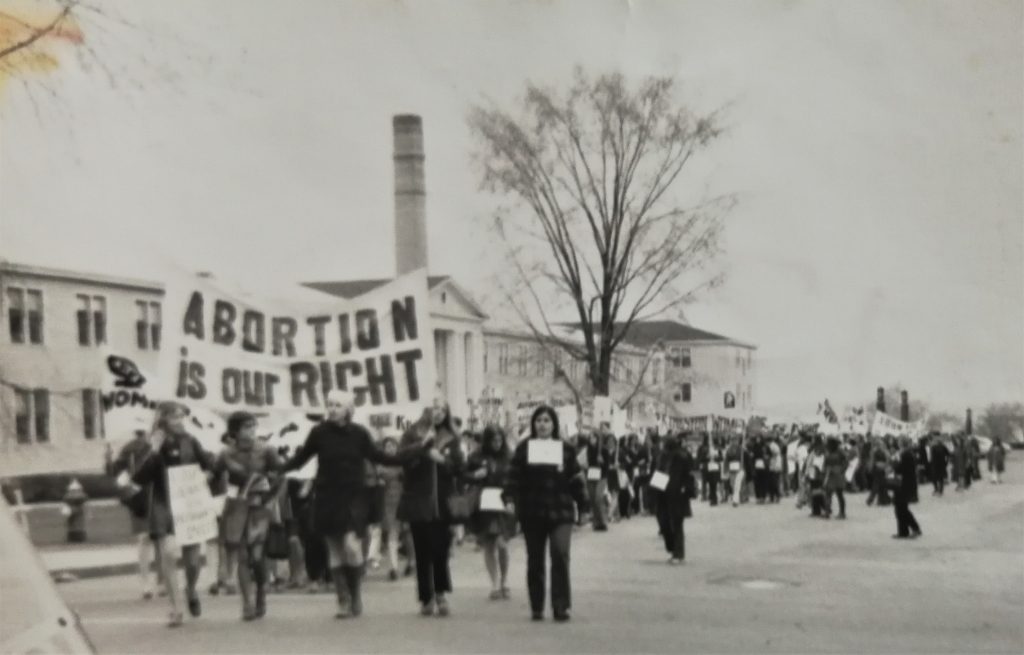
<point>659,481</point>
<point>544,452</point>
<point>734,466</point>
<point>195,520</point>
<point>490,500</point>
<point>712,467</point>
<point>594,473</point>
<point>623,479</point>
<point>759,464</point>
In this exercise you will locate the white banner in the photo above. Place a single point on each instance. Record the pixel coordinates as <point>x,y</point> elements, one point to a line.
<point>883,424</point>
<point>195,518</point>
<point>228,350</point>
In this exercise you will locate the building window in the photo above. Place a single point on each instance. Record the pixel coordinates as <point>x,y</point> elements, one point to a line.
<point>523,361</point>
<point>32,415</point>
<point>503,359</point>
<point>147,327</point>
<point>541,362</point>
<point>92,414</point>
<point>25,315</point>
<point>685,393</point>
<point>92,320</point>
<point>684,357</point>
<point>486,351</point>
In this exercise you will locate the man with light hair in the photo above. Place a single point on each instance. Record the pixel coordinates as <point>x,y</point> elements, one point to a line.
<point>341,509</point>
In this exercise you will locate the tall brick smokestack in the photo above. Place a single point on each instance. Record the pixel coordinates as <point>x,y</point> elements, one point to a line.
<point>410,194</point>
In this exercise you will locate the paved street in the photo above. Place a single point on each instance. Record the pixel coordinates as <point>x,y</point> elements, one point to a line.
<point>758,579</point>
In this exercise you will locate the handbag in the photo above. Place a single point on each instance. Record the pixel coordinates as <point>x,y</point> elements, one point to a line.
<point>277,542</point>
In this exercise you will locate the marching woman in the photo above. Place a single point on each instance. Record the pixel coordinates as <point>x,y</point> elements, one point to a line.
<point>248,508</point>
<point>734,457</point>
<point>545,497</point>
<point>488,468</point>
<point>715,462</point>
<point>674,507</point>
<point>172,446</point>
<point>340,507</point>
<point>393,532</point>
<point>431,480</point>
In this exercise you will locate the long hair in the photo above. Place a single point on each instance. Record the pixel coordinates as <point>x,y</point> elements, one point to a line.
<point>447,422</point>
<point>490,432</point>
<point>544,409</point>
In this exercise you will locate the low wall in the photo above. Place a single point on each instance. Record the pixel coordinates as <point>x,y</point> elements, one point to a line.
<point>106,522</point>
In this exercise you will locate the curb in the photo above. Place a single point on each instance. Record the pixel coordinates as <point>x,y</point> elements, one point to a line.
<point>105,571</point>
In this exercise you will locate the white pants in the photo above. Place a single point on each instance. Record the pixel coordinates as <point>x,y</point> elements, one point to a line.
<point>737,486</point>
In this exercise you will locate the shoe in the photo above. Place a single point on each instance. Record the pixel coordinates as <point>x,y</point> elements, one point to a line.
<point>675,561</point>
<point>537,616</point>
<point>392,575</point>
<point>495,594</point>
<point>601,528</point>
<point>900,536</point>
<point>442,606</point>
<point>342,613</point>
<point>176,620</point>
<point>214,589</point>
<point>427,609</point>
<point>917,534</point>
<point>408,570</point>
<point>249,614</point>
<point>194,607</point>
<point>562,616</point>
<point>147,595</point>
<point>841,517</point>
<point>230,590</point>
<point>506,593</point>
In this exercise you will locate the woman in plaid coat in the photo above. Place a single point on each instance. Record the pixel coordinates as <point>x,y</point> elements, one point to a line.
<point>544,498</point>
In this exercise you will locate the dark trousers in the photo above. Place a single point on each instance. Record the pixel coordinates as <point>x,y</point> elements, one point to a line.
<point>773,486</point>
<point>938,481</point>
<point>878,488</point>
<point>625,506</point>
<point>538,534</point>
<point>905,521</point>
<point>838,493</point>
<point>761,477</point>
<point>671,520</point>
<point>432,542</point>
<point>313,548</point>
<point>714,479</point>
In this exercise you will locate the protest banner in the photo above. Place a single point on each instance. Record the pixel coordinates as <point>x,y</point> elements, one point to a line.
<point>192,507</point>
<point>883,424</point>
<point>228,350</point>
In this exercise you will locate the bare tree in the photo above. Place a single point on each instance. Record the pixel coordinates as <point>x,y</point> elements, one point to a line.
<point>595,169</point>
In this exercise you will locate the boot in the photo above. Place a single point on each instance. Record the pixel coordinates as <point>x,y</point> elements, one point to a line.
<point>341,590</point>
<point>354,580</point>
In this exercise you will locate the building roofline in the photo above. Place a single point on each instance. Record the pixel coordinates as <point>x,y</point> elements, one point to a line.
<point>519,333</point>
<point>80,276</point>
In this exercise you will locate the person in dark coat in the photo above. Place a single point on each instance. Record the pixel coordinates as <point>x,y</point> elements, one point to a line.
<point>545,498</point>
<point>488,468</point>
<point>597,485</point>
<point>904,482</point>
<point>761,458</point>
<point>431,478</point>
<point>835,477</point>
<point>675,507</point>
<point>341,506</point>
<point>128,461</point>
<point>939,461</point>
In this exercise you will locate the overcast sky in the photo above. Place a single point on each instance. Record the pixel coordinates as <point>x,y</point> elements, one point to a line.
<point>876,148</point>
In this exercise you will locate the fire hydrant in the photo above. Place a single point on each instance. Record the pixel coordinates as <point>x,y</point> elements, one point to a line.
<point>74,510</point>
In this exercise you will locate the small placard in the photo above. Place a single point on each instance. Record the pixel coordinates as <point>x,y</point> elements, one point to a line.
<point>490,500</point>
<point>734,466</point>
<point>123,480</point>
<point>623,480</point>
<point>712,467</point>
<point>594,473</point>
<point>659,480</point>
<point>544,452</point>
<point>759,464</point>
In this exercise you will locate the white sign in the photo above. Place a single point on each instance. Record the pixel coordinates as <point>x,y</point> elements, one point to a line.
<point>228,350</point>
<point>568,422</point>
<point>195,519</point>
<point>542,452</point>
<point>594,473</point>
<point>490,500</point>
<point>602,410</point>
<point>659,480</point>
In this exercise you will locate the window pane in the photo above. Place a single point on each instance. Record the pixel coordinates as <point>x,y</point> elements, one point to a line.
<point>16,314</point>
<point>22,404</point>
<point>686,357</point>
<point>83,327</point>
<point>100,325</point>
<point>89,413</point>
<point>142,334</point>
<point>154,334</point>
<point>35,316</point>
<point>41,400</point>
<point>143,308</point>
<point>154,313</point>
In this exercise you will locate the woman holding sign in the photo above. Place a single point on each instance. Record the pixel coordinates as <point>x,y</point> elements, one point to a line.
<point>172,446</point>
<point>494,526</point>
<point>545,482</point>
<point>340,507</point>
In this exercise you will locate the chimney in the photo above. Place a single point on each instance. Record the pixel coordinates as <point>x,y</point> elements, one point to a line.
<point>410,194</point>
